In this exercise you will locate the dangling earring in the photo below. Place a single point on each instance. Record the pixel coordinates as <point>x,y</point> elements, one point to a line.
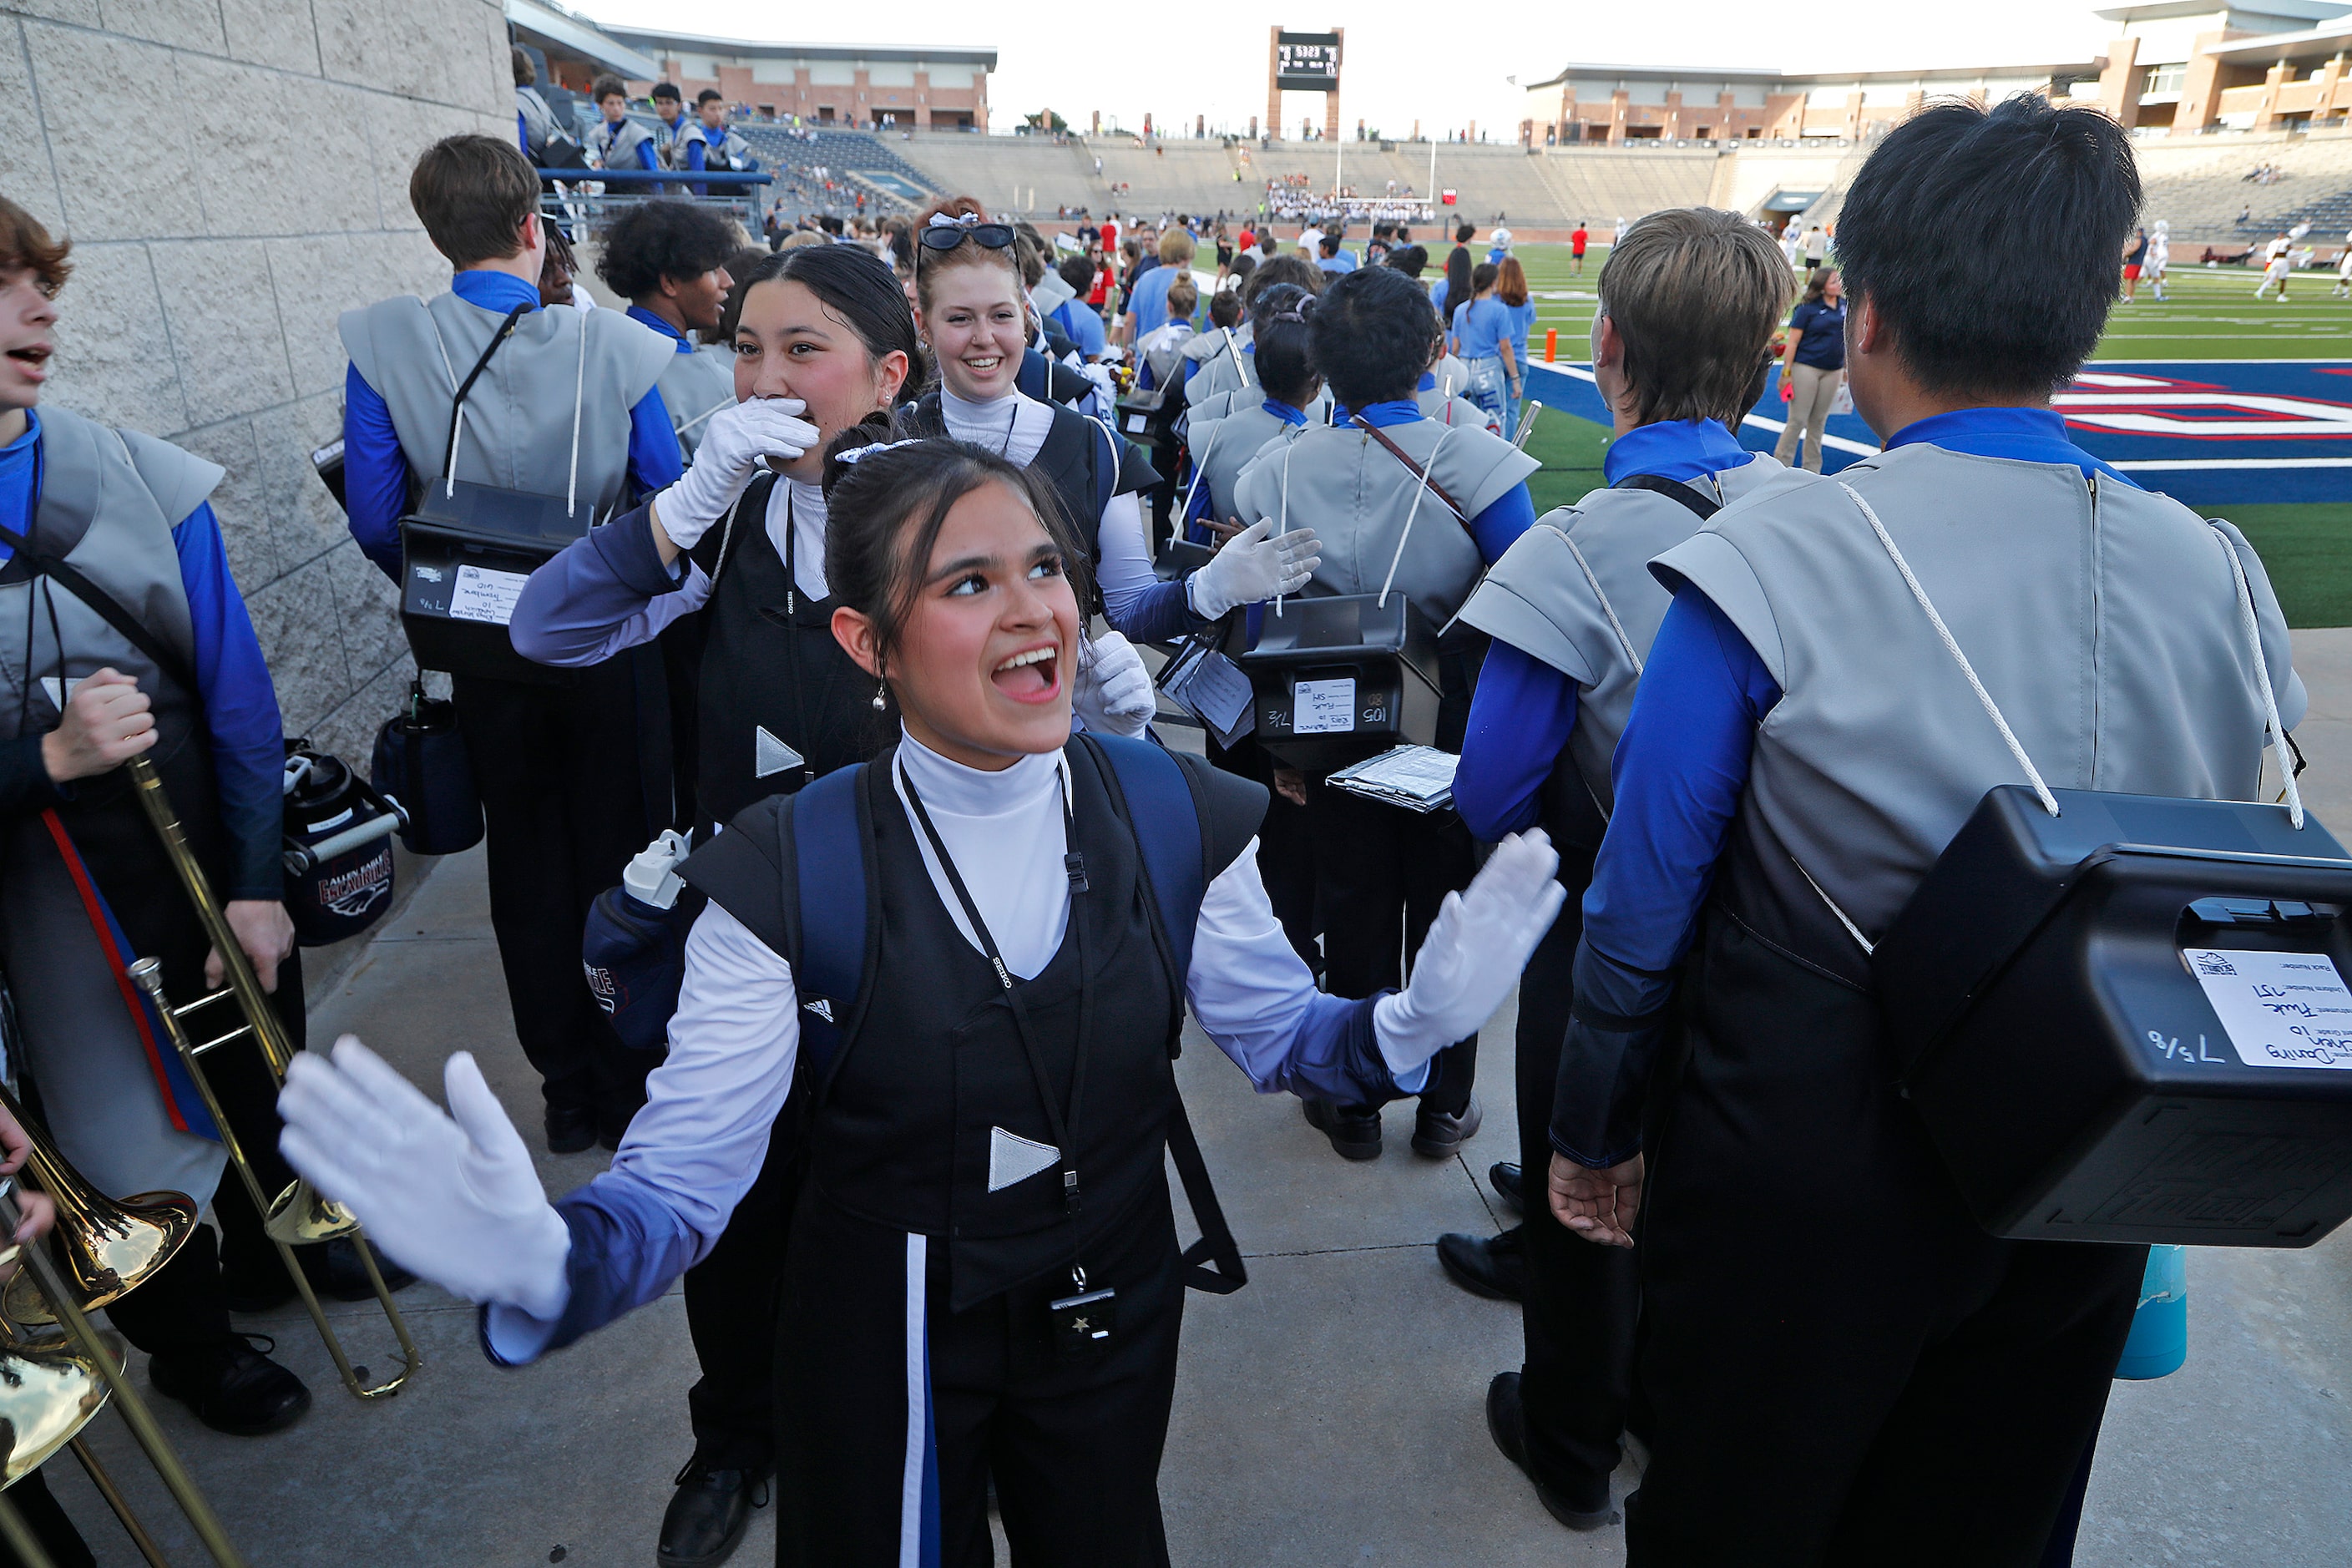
<point>881,694</point>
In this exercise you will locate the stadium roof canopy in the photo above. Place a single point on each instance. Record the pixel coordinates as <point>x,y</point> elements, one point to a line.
<point>2250,13</point>
<point>2311,43</point>
<point>553,25</point>
<point>1800,80</point>
<point>664,42</point>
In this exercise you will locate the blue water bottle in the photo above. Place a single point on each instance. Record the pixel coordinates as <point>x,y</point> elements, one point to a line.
<point>2159,1331</point>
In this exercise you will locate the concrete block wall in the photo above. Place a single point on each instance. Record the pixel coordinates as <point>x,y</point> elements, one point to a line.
<point>234,175</point>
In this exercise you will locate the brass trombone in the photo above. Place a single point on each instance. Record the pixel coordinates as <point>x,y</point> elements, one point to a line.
<point>52,1385</point>
<point>107,1248</point>
<point>299,1214</point>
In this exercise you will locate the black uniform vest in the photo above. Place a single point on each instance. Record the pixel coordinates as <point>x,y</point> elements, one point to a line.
<point>1071,460</point>
<point>901,1130</point>
<point>769,662</point>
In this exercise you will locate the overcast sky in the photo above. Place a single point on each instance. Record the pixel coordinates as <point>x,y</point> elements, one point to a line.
<point>1174,61</point>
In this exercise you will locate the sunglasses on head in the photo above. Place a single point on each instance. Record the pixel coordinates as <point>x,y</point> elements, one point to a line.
<point>947,237</point>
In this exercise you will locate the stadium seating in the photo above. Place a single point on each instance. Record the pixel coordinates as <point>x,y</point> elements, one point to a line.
<point>2197,185</point>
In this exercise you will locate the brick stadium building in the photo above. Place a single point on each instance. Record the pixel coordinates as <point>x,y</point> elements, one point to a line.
<point>924,86</point>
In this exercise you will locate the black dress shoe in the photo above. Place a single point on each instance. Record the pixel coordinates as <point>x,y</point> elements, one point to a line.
<point>231,1385</point>
<point>1354,1130</point>
<point>571,1129</point>
<point>708,1515</point>
<point>1441,1135</point>
<point>334,1270</point>
<point>1494,1266</point>
<point>1581,1507</point>
<point>1504,1178</point>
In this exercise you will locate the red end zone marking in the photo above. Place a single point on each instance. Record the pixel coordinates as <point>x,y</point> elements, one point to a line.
<point>2197,411</point>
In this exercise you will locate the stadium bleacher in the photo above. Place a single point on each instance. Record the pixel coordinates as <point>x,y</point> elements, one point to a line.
<point>2200,188</point>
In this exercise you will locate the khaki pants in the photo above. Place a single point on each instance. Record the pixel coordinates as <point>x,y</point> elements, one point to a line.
<point>1809,413</point>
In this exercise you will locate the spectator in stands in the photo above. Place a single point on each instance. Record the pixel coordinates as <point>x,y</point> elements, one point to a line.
<point>723,147</point>
<point>678,143</point>
<point>619,142</point>
<point>669,259</point>
<point>1812,366</point>
<point>1333,258</point>
<point>1147,300</point>
<point>1083,323</point>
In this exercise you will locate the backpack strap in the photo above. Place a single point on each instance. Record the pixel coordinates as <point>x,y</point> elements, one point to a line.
<point>1705,505</point>
<point>832,912</point>
<point>1176,818</point>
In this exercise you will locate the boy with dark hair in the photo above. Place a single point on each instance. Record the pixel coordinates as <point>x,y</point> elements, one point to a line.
<point>1381,873</point>
<point>678,143</point>
<point>1080,321</point>
<point>619,141</point>
<point>723,147</point>
<point>668,258</point>
<point>1837,1362</point>
<point>84,883</point>
<point>1331,257</point>
<point>569,787</point>
<point>1688,304</point>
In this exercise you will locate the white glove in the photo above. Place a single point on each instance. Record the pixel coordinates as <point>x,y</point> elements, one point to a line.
<point>1114,694</point>
<point>734,442</point>
<point>451,1196</point>
<point>1252,568</point>
<point>1473,953</point>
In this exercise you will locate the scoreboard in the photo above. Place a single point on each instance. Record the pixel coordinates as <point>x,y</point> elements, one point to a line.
<point>1307,62</point>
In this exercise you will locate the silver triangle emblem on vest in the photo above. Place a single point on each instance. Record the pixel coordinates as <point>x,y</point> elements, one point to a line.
<point>770,755</point>
<point>1012,1159</point>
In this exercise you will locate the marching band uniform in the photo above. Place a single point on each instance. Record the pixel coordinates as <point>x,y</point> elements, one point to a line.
<point>1552,699</point>
<point>1375,865</point>
<point>623,145</point>
<point>1219,374</point>
<point>1229,445</point>
<point>572,780</point>
<point>924,1248</point>
<point>1801,748</point>
<point>696,384</point>
<point>1098,477</point>
<point>1436,404</point>
<point>86,887</point>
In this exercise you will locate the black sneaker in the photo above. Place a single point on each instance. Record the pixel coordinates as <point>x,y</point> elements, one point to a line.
<point>1354,1130</point>
<point>1504,1178</point>
<point>571,1129</point>
<point>1584,1507</point>
<point>334,1270</point>
<point>1439,1135</point>
<point>1494,1266</point>
<point>708,1515</point>
<point>231,1385</point>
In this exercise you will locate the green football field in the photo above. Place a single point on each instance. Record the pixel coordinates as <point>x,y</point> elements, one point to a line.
<point>2212,314</point>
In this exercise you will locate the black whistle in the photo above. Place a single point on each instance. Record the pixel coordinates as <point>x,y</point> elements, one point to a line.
<point>1070,1190</point>
<point>1076,864</point>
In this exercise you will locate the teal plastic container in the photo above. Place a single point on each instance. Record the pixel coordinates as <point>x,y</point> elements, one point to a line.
<point>2158,1344</point>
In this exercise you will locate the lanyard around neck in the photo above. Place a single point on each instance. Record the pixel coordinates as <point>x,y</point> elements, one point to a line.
<point>1075,864</point>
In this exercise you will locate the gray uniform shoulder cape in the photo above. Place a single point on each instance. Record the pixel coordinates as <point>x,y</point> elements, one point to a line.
<point>2103,619</point>
<point>1225,446</point>
<point>694,386</point>
<point>1217,375</point>
<point>108,501</point>
<point>1358,499</point>
<point>518,415</point>
<point>1555,592</point>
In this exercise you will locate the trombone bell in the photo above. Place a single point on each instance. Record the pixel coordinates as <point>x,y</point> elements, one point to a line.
<point>48,1392</point>
<point>109,1250</point>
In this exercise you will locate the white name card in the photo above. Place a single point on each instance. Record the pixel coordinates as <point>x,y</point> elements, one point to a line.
<point>479,595</point>
<point>1323,707</point>
<point>2280,1009</point>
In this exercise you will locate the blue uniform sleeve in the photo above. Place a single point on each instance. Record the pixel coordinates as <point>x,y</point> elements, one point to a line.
<point>25,783</point>
<point>655,459</point>
<point>375,473</point>
<point>248,738</point>
<point>1678,775</point>
<point>1506,517</point>
<point>1160,612</point>
<point>627,1247</point>
<point>646,158</point>
<point>1520,716</point>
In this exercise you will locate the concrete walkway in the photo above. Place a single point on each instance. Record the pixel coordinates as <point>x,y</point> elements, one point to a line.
<point>1329,1414</point>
